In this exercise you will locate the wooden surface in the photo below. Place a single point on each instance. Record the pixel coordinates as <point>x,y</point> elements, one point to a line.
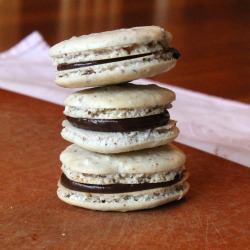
<point>214,215</point>
<point>213,36</point>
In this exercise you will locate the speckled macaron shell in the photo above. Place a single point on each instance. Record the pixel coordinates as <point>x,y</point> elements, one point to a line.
<point>118,101</point>
<point>111,39</point>
<point>108,45</point>
<point>113,73</point>
<point>161,159</point>
<point>119,142</point>
<point>156,160</point>
<point>160,164</point>
<point>123,202</point>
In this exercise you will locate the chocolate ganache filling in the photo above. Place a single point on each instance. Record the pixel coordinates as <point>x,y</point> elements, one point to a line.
<point>166,54</point>
<point>115,188</point>
<point>121,125</point>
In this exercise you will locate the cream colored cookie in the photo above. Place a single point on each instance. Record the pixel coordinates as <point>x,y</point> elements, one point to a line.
<point>113,73</point>
<point>149,165</point>
<point>122,182</point>
<point>117,142</point>
<point>113,57</point>
<point>124,178</point>
<point>123,202</point>
<point>119,101</point>
<point>111,39</point>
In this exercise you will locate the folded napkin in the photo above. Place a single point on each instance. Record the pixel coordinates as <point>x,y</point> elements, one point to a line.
<point>211,124</point>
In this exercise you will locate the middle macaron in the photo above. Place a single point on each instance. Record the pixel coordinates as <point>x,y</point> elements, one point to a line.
<point>119,118</point>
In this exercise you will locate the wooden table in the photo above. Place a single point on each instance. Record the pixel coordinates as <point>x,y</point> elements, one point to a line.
<point>215,214</point>
<point>214,39</point>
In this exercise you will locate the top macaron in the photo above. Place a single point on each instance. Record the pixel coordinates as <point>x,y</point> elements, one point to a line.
<point>113,57</point>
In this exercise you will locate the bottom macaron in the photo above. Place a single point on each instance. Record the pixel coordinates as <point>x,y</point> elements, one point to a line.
<point>122,182</point>
<point>123,202</point>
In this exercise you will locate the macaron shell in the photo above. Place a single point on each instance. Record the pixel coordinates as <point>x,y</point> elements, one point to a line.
<point>125,201</point>
<point>110,113</point>
<point>120,37</point>
<point>121,178</point>
<point>108,53</point>
<point>118,142</point>
<point>112,73</point>
<point>123,96</point>
<point>148,161</point>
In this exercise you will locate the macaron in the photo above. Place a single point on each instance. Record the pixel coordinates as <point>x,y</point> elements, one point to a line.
<point>113,56</point>
<point>122,182</point>
<point>119,118</point>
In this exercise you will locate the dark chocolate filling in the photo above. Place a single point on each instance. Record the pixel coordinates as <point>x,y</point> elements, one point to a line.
<point>164,54</point>
<point>121,125</point>
<point>115,188</point>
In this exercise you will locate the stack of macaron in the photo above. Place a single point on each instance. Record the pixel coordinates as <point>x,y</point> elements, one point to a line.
<point>121,157</point>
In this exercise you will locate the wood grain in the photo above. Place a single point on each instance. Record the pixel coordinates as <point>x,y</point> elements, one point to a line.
<point>213,36</point>
<point>214,215</point>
